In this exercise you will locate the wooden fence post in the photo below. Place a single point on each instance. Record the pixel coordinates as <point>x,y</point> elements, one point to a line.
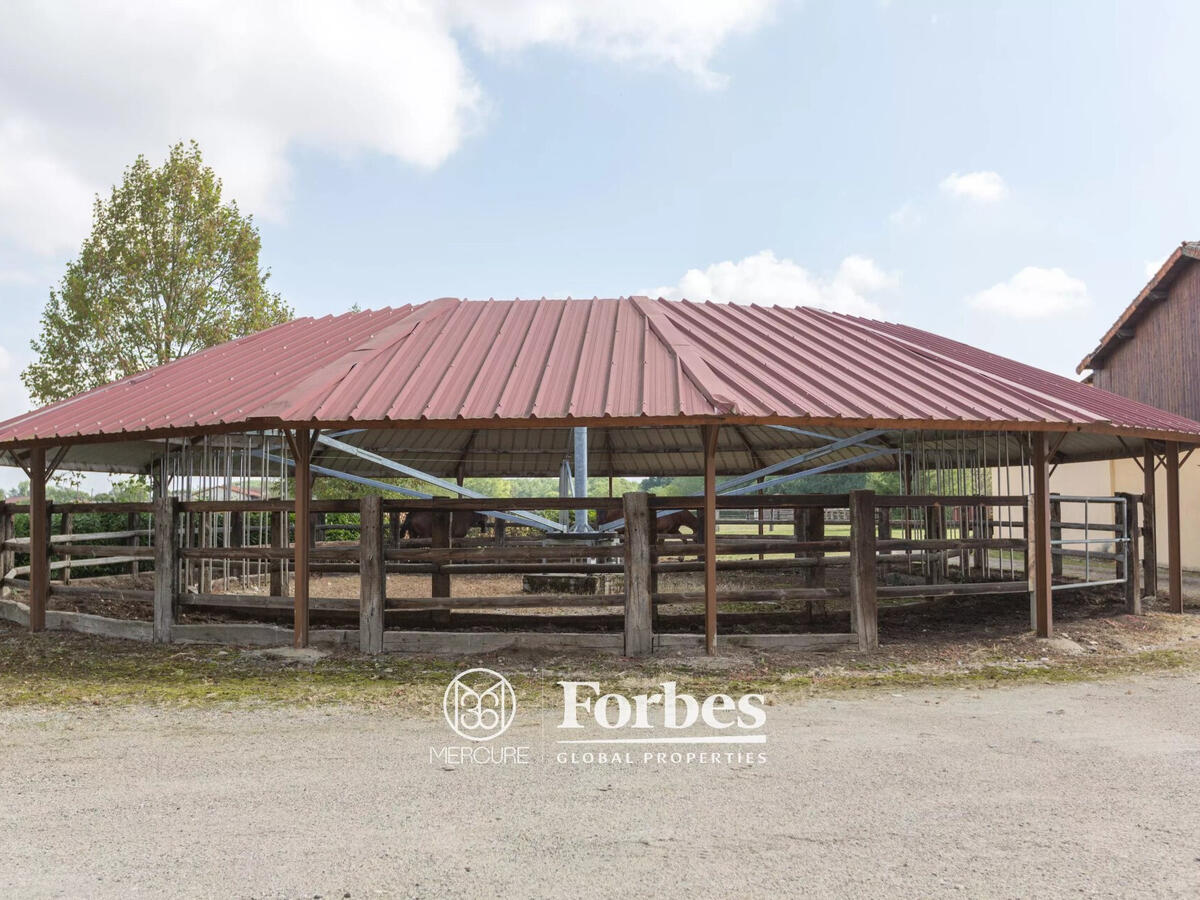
<point>935,560</point>
<point>68,526</point>
<point>394,527</point>
<point>1037,537</point>
<point>1131,564</point>
<point>708,520</point>
<point>302,489</point>
<point>440,586</point>
<point>979,557</point>
<point>39,540</point>
<point>1149,525</point>
<point>814,530</point>
<point>639,624</point>
<point>8,556</point>
<point>372,577</point>
<point>1174,546</point>
<point>278,528</point>
<point>133,522</point>
<point>166,567</point>
<point>864,608</point>
<point>1056,556</point>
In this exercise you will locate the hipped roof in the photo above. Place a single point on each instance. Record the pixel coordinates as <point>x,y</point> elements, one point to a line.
<point>515,365</point>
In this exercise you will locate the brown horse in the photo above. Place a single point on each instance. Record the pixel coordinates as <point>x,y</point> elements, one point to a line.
<point>668,524</point>
<point>419,524</point>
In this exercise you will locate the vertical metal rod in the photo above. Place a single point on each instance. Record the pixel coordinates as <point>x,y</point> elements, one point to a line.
<point>564,490</point>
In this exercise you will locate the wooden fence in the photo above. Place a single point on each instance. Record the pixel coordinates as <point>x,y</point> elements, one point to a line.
<point>956,545</point>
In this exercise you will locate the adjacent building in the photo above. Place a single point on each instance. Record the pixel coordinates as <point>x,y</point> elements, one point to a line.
<point>1151,354</point>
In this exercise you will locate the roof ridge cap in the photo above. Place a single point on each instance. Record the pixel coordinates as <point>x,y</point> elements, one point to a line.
<point>692,363</point>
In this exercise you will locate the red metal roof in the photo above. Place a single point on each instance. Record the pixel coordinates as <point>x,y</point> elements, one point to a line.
<point>503,363</point>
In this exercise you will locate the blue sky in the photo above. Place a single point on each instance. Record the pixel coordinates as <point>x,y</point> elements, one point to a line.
<point>1001,173</point>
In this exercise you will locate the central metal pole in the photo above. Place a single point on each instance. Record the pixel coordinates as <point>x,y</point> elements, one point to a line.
<point>564,490</point>
<point>581,476</point>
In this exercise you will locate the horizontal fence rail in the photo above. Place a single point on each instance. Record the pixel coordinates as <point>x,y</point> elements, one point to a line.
<point>855,549</point>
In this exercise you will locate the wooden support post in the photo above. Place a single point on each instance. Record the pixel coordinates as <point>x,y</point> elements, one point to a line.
<point>864,610</point>
<point>652,539</point>
<point>1038,538</point>
<point>812,519</point>
<point>39,541</point>
<point>133,522</point>
<point>1149,524</point>
<point>709,523</point>
<point>189,541</point>
<point>394,527</point>
<point>166,566</point>
<point>1056,558</point>
<point>639,624</point>
<point>207,533</point>
<point>278,529</point>
<point>235,535</point>
<point>978,515</point>
<point>440,586</point>
<point>303,441</point>
<point>1174,546</point>
<point>68,527</point>
<point>8,558</point>
<point>1130,565</point>
<point>935,561</point>
<point>371,575</point>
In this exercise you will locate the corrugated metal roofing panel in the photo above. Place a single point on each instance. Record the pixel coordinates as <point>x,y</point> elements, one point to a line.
<point>509,362</point>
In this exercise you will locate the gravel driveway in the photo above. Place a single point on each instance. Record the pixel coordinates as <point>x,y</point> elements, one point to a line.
<point>1052,790</point>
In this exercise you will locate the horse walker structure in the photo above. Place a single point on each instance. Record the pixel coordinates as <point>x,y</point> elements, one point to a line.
<point>459,389</point>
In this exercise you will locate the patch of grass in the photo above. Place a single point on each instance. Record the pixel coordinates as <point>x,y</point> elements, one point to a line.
<point>69,669</point>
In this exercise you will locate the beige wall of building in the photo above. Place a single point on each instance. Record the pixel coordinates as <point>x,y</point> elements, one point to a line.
<point>1112,476</point>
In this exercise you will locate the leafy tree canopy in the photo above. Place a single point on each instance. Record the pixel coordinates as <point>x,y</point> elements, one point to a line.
<point>169,269</point>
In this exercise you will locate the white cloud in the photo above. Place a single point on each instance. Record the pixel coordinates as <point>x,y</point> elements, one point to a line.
<point>984,187</point>
<point>682,33</point>
<point>907,216</point>
<point>764,278</point>
<point>1034,293</point>
<point>1153,265</point>
<point>86,86</point>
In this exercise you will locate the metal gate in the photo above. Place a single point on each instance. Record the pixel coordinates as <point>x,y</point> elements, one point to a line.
<point>1105,564</point>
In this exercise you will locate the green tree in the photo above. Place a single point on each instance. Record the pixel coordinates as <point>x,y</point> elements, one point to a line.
<point>169,269</point>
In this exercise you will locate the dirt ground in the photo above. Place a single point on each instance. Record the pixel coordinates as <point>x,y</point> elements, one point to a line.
<point>1065,790</point>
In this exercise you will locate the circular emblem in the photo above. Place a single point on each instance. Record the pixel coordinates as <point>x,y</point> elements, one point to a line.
<point>479,704</point>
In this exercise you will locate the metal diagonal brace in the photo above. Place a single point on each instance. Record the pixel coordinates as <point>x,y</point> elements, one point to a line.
<point>394,488</point>
<point>752,488</point>
<point>521,516</point>
<point>840,444</point>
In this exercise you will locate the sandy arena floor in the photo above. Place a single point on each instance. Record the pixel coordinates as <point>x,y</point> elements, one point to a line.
<point>1055,791</point>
